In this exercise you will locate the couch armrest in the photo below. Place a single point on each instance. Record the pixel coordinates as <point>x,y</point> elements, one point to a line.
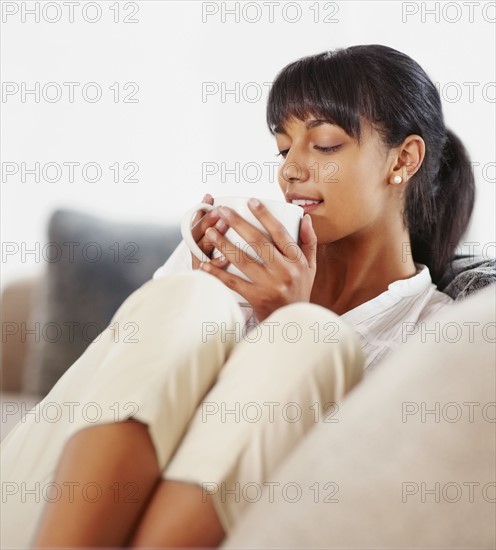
<point>18,299</point>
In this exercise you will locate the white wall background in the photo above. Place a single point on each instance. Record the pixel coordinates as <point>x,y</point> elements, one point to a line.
<point>171,50</point>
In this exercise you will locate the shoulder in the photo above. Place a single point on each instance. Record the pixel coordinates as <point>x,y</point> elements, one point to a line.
<point>412,302</point>
<point>437,301</point>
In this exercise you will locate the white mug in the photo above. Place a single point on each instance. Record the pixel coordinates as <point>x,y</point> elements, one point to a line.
<point>288,214</point>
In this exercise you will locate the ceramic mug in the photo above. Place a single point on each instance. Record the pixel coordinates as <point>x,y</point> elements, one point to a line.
<point>288,214</point>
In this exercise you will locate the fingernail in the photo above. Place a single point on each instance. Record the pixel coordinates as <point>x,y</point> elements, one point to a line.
<point>210,233</point>
<point>220,261</point>
<point>221,225</point>
<point>254,203</point>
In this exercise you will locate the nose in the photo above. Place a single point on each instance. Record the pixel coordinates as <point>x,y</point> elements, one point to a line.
<point>294,169</point>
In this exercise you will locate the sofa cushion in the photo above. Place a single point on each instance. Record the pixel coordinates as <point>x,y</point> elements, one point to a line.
<point>96,265</point>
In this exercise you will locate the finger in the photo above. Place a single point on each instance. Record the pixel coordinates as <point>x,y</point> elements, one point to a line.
<point>209,200</point>
<point>278,233</point>
<point>206,243</point>
<point>273,250</point>
<point>308,241</point>
<point>198,228</point>
<point>255,238</point>
<point>243,257</point>
<point>206,221</point>
<point>221,262</point>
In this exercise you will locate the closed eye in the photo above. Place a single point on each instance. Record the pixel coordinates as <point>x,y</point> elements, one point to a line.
<point>328,149</point>
<point>284,152</point>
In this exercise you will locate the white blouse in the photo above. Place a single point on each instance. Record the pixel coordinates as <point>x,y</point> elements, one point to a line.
<point>382,324</point>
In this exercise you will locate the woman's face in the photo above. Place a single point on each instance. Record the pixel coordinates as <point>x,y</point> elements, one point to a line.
<point>323,163</point>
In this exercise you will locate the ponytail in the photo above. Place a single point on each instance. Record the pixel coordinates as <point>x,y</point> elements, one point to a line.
<point>437,225</point>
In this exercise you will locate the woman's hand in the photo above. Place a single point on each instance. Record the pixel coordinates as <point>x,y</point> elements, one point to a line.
<point>200,225</point>
<point>288,270</point>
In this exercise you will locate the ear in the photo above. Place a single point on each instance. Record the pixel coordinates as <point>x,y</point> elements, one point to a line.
<point>410,155</point>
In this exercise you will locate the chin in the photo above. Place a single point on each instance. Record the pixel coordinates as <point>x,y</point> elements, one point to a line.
<point>324,236</point>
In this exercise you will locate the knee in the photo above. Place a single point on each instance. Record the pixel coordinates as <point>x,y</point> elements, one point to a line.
<point>196,282</point>
<point>321,330</point>
<point>195,292</point>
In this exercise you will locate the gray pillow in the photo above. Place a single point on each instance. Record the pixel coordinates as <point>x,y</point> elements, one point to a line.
<point>467,275</point>
<point>96,265</point>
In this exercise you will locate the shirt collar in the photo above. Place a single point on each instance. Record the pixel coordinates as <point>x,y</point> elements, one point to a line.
<point>403,288</point>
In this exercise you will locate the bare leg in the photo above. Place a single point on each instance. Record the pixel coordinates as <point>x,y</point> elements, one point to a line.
<point>307,373</point>
<point>113,470</point>
<point>163,378</point>
<point>110,456</point>
<point>158,377</point>
<point>179,515</point>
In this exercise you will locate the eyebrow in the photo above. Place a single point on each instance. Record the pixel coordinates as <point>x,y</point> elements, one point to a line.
<point>308,125</point>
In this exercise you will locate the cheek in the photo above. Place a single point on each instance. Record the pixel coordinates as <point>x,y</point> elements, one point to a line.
<point>328,175</point>
<point>355,192</point>
<point>281,181</point>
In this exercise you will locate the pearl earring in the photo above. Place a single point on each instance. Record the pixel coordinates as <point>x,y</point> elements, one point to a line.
<point>397,179</point>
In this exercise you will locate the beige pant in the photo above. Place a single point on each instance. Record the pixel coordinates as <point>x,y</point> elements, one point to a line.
<point>411,462</point>
<point>223,406</point>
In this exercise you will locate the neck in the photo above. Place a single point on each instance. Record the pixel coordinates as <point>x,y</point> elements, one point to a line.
<point>358,268</point>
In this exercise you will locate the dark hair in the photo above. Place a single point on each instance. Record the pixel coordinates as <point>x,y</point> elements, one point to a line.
<point>394,94</point>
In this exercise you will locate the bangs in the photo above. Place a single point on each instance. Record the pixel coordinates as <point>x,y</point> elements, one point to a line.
<point>326,86</point>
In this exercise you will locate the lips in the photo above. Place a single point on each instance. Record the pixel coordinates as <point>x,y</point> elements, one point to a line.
<point>304,202</point>
<point>292,197</point>
<point>308,204</point>
<point>307,208</point>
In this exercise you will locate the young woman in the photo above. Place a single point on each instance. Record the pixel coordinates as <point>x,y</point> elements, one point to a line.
<point>191,420</point>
